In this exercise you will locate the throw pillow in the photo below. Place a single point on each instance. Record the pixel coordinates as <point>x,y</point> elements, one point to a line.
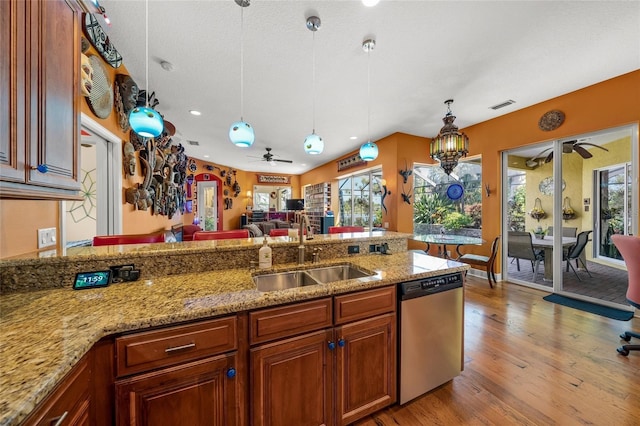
<point>254,231</point>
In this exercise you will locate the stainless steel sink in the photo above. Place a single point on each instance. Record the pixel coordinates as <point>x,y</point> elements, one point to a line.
<point>329,274</point>
<point>284,280</point>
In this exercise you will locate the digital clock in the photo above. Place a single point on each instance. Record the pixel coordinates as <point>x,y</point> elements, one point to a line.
<point>92,279</point>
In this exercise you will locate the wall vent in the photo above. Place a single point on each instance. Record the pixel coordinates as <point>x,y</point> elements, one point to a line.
<point>503,104</point>
<point>195,143</point>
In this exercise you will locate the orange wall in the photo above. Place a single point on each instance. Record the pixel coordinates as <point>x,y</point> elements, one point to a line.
<point>611,103</point>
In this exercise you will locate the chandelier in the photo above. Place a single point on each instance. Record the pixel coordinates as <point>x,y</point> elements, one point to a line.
<point>450,144</point>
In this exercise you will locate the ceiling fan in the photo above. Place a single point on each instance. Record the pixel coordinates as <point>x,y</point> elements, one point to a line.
<point>567,148</point>
<point>270,158</point>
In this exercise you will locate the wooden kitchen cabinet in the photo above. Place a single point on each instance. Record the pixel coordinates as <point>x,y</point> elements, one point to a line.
<point>198,393</point>
<point>70,402</point>
<point>347,366</point>
<point>40,111</point>
<point>189,374</point>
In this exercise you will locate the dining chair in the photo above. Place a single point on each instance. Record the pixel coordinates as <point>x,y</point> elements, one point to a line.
<point>575,252</point>
<point>112,240</point>
<point>343,229</point>
<point>629,248</point>
<point>566,231</point>
<point>220,235</point>
<point>484,261</point>
<point>520,246</point>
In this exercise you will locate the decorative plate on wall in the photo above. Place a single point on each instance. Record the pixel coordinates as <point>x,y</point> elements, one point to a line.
<point>546,185</point>
<point>100,99</point>
<point>551,120</point>
<point>100,41</point>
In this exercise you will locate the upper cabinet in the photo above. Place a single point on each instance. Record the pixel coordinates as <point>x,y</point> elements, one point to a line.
<point>40,122</point>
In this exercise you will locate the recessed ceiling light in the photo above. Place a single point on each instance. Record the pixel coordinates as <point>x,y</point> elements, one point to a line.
<point>206,156</point>
<point>370,3</point>
<point>353,138</point>
<point>194,112</point>
<point>304,164</point>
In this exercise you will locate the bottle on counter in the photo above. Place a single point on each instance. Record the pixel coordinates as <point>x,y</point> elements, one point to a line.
<point>264,255</point>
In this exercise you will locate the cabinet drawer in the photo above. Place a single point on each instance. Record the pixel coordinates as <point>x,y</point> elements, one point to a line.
<point>159,348</point>
<point>276,323</point>
<point>365,304</point>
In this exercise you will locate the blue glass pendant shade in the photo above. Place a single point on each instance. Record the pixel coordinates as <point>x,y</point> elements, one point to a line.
<point>313,144</point>
<point>369,151</point>
<point>146,122</point>
<point>241,134</point>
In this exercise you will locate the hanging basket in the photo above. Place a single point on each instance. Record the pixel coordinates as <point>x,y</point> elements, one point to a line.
<point>567,211</point>
<point>537,213</point>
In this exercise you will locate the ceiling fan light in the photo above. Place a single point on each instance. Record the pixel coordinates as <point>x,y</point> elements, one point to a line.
<point>146,122</point>
<point>369,151</point>
<point>313,144</point>
<point>241,134</point>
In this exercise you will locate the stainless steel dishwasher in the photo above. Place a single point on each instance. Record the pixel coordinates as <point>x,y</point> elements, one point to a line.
<point>431,333</point>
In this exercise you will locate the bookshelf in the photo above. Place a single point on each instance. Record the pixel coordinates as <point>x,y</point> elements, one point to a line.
<point>317,201</point>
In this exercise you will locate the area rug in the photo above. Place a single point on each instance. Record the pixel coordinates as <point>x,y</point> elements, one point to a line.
<point>604,311</point>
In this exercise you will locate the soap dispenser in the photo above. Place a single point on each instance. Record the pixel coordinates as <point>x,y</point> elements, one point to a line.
<point>264,255</point>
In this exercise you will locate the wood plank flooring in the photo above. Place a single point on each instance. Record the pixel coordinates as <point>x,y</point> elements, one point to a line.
<point>530,362</point>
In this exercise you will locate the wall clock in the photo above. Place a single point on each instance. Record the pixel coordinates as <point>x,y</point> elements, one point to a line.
<point>547,186</point>
<point>551,120</point>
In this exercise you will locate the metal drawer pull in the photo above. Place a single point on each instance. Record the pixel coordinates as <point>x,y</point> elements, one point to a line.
<point>179,348</point>
<point>61,418</point>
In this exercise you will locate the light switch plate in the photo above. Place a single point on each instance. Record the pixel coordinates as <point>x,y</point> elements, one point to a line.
<point>46,237</point>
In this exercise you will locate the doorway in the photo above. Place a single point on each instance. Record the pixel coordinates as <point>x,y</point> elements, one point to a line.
<point>100,210</point>
<point>583,184</point>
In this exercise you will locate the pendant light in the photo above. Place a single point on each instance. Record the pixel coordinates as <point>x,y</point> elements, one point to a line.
<point>146,121</point>
<point>450,144</point>
<point>241,133</point>
<point>313,143</point>
<point>369,150</point>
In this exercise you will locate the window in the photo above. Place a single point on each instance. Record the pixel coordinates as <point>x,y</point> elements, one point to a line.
<point>435,205</point>
<point>359,198</point>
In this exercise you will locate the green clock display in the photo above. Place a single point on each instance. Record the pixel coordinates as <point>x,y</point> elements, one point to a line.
<point>92,279</point>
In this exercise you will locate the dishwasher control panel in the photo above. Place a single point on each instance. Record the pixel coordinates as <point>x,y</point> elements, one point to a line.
<point>431,285</point>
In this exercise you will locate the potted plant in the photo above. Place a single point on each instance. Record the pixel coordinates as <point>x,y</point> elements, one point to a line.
<point>537,213</point>
<point>539,232</point>
<point>567,212</point>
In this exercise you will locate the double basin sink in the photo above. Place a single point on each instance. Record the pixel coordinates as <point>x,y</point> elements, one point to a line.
<point>307,277</point>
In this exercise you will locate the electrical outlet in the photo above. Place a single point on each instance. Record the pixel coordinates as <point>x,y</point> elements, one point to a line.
<point>386,225</point>
<point>46,237</point>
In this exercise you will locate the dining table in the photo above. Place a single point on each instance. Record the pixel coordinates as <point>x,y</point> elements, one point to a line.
<point>546,244</point>
<point>443,240</point>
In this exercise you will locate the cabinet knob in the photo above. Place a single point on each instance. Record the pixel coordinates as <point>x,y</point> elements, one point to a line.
<point>341,342</point>
<point>42,168</point>
<point>331,345</point>
<point>231,373</point>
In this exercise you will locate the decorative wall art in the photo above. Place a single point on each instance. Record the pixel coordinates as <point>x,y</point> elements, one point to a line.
<point>99,39</point>
<point>100,99</point>
<point>352,161</point>
<point>547,187</point>
<point>273,179</point>
<point>551,120</point>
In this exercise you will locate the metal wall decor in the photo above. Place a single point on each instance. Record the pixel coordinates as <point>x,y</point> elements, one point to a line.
<point>551,120</point>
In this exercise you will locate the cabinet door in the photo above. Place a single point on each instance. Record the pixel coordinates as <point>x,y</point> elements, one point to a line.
<point>12,89</point>
<point>365,367</point>
<point>198,393</point>
<point>291,381</point>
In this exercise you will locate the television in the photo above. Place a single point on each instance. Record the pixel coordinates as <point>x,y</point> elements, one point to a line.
<point>295,204</point>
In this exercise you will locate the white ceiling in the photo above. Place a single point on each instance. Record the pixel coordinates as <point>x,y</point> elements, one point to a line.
<point>479,53</point>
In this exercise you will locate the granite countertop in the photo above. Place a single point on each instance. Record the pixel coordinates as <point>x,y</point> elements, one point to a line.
<point>44,333</point>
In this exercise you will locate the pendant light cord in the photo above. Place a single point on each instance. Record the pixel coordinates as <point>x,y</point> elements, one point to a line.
<point>146,53</point>
<point>241,62</point>
<point>313,78</point>
<point>369,95</point>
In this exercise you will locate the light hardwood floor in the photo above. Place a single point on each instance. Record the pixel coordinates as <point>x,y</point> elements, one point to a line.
<point>530,362</point>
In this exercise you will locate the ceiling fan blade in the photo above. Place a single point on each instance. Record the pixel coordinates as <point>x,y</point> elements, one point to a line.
<point>282,161</point>
<point>592,144</point>
<point>583,152</point>
<point>549,157</point>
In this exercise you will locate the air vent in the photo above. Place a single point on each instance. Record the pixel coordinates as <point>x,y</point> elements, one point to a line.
<point>503,104</point>
<point>195,143</point>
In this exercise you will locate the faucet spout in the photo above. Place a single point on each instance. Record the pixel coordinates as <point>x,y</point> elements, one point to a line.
<point>304,223</point>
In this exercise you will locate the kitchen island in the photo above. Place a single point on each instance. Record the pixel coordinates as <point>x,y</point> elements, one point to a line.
<point>46,332</point>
